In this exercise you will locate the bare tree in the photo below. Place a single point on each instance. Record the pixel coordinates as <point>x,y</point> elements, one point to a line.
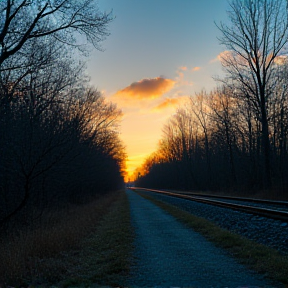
<point>25,20</point>
<point>222,109</point>
<point>200,112</point>
<point>257,34</point>
<point>39,75</point>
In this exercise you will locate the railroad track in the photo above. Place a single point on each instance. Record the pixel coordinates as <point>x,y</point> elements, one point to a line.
<point>272,209</point>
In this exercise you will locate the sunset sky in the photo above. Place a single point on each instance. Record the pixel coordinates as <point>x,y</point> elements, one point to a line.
<point>158,53</point>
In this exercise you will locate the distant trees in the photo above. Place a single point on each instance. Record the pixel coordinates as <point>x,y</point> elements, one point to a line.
<point>59,137</point>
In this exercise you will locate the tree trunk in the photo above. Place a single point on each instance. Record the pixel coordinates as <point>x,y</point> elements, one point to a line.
<point>265,148</point>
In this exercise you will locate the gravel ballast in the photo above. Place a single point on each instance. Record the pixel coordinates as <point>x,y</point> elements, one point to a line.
<point>168,254</point>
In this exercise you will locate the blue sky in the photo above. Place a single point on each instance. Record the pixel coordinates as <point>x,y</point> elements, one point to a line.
<point>156,39</point>
<point>150,38</point>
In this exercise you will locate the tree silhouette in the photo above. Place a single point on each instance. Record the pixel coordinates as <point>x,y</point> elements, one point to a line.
<point>257,34</point>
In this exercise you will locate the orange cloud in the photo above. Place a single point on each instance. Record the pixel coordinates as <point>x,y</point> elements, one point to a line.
<point>230,56</point>
<point>281,60</point>
<point>180,79</point>
<point>168,102</point>
<point>220,56</point>
<point>147,88</point>
<point>196,68</point>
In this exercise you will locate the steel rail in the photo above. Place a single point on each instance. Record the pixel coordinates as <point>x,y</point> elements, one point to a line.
<point>270,213</point>
<point>244,199</point>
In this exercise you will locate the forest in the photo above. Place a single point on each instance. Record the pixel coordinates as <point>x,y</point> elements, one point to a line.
<point>59,136</point>
<point>233,138</point>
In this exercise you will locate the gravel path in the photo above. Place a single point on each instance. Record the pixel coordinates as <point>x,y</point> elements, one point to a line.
<point>270,232</point>
<point>168,254</point>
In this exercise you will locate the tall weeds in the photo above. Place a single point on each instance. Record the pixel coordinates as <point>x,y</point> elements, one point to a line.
<point>26,255</point>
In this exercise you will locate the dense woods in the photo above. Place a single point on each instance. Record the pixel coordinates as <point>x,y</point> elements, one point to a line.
<point>235,137</point>
<point>59,137</point>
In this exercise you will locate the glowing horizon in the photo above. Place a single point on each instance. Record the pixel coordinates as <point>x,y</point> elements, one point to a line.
<point>147,104</point>
<point>148,68</point>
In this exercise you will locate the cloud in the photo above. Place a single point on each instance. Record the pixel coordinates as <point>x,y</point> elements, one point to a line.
<point>230,57</point>
<point>280,60</point>
<point>196,68</point>
<point>180,79</point>
<point>169,102</point>
<point>149,88</point>
<point>220,56</point>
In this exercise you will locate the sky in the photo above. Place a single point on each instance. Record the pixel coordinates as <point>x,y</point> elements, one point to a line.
<point>158,53</point>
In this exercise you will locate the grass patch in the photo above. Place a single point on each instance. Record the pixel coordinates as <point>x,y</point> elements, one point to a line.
<point>106,255</point>
<point>90,244</point>
<point>255,256</point>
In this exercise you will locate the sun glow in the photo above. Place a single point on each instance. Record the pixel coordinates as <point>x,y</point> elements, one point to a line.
<point>132,163</point>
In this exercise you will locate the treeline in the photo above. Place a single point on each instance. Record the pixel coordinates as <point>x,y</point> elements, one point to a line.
<point>233,138</point>
<point>214,143</point>
<point>59,137</point>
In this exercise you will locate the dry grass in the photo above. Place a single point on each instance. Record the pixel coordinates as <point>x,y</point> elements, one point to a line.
<point>106,255</point>
<point>53,253</point>
<point>255,256</point>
